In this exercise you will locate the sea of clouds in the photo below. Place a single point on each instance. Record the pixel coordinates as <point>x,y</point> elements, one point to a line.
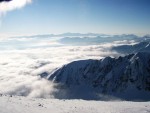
<point>23,60</point>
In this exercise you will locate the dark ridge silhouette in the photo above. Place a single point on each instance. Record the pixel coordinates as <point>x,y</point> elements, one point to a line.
<point>5,0</point>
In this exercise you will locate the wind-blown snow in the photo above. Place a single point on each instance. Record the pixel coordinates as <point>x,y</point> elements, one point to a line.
<point>12,4</point>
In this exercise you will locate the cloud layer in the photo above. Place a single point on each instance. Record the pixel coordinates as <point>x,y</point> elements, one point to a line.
<point>23,60</point>
<point>11,5</point>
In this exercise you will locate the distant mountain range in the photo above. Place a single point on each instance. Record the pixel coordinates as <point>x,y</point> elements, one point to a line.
<point>98,39</point>
<point>63,35</point>
<point>124,36</point>
<point>124,77</point>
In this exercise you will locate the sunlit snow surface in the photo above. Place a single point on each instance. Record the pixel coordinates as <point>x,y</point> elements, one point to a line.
<point>31,105</point>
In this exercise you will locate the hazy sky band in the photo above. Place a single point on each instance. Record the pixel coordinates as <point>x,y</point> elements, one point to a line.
<point>100,16</point>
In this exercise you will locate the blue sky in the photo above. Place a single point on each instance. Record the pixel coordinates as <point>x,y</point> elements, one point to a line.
<point>97,16</point>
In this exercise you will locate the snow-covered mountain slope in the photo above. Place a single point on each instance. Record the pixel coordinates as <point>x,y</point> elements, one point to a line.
<point>17,104</point>
<point>124,77</point>
<point>143,46</point>
<point>146,48</point>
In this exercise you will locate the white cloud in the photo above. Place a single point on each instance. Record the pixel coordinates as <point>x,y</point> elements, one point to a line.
<point>20,68</point>
<point>14,4</point>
